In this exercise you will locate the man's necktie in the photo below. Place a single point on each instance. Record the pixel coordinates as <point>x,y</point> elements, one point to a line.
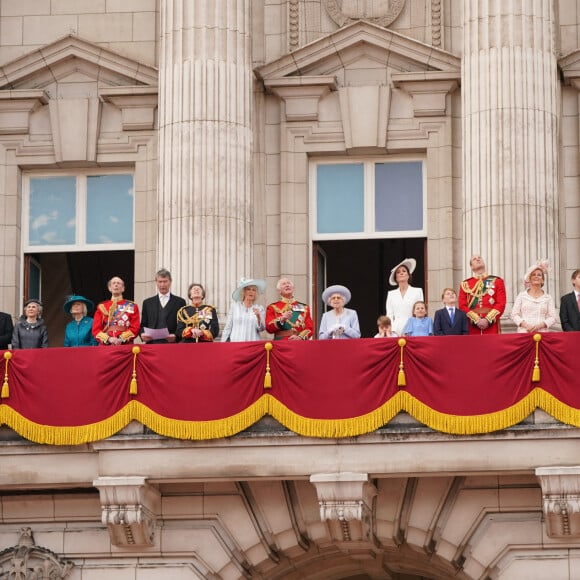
<point>452,315</point>
<point>163,300</point>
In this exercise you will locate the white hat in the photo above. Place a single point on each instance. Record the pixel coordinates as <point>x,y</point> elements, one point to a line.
<point>336,289</point>
<point>542,265</point>
<point>244,283</point>
<point>409,263</point>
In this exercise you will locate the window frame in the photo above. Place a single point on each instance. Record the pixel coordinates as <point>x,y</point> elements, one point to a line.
<point>369,231</point>
<point>80,245</point>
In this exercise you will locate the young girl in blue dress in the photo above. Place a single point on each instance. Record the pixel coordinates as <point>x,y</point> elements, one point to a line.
<point>419,324</point>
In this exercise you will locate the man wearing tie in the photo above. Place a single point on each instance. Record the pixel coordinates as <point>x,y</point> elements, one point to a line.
<point>449,319</point>
<point>570,305</point>
<point>160,311</point>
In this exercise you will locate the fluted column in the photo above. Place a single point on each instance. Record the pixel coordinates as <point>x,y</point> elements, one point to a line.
<point>510,136</point>
<point>205,137</point>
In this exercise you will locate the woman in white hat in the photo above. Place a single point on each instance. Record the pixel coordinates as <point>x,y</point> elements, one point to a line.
<point>400,301</point>
<point>534,310</point>
<point>246,318</point>
<point>340,322</point>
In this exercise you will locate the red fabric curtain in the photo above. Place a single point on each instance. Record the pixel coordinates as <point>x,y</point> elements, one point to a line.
<point>323,388</point>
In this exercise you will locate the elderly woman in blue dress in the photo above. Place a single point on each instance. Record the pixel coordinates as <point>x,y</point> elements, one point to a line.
<point>340,322</point>
<point>78,331</point>
<point>246,318</point>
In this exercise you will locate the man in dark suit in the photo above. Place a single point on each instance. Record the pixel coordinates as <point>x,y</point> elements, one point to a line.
<point>570,305</point>
<point>449,319</point>
<point>6,328</point>
<point>160,311</point>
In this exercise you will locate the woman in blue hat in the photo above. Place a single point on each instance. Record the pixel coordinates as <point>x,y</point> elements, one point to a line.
<point>78,331</point>
<point>340,322</point>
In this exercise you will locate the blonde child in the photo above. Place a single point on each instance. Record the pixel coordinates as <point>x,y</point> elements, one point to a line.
<point>384,327</point>
<point>419,324</point>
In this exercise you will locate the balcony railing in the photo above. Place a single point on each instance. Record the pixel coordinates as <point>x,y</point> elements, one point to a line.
<point>332,389</point>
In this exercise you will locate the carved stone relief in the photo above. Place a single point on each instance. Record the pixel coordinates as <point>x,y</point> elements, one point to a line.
<point>26,561</point>
<point>380,12</point>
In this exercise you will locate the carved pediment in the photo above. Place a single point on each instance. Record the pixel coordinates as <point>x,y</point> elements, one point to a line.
<point>74,59</point>
<point>357,45</point>
<point>570,67</point>
<point>26,561</point>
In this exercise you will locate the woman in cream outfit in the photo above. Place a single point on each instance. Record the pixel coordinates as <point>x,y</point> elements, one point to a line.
<point>534,309</point>
<point>400,301</point>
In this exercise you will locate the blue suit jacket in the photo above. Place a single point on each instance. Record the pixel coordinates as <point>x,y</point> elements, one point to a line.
<point>442,324</point>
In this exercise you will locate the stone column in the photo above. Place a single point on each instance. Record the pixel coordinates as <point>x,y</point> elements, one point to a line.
<point>205,138</point>
<point>510,106</point>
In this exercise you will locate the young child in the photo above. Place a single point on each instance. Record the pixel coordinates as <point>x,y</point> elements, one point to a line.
<point>449,319</point>
<point>419,324</point>
<point>384,327</point>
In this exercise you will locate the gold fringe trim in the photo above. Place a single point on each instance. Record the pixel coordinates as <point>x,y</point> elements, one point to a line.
<point>267,404</point>
<point>268,377</point>
<point>5,393</point>
<point>133,387</point>
<point>536,372</point>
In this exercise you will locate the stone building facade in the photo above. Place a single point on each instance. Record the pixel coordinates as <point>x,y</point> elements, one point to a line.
<point>324,140</point>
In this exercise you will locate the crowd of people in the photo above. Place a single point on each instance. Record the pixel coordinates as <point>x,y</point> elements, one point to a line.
<point>166,318</point>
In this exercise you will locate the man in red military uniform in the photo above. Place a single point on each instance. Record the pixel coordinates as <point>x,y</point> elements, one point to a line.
<point>116,321</point>
<point>288,319</point>
<point>482,298</point>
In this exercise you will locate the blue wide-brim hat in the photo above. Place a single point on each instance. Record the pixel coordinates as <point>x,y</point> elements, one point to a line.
<point>244,283</point>
<point>77,298</point>
<point>336,289</point>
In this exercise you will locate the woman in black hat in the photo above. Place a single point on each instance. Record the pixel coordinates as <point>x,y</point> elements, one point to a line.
<point>78,331</point>
<point>30,331</point>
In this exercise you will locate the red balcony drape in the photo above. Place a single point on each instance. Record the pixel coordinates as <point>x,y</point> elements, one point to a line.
<point>461,385</point>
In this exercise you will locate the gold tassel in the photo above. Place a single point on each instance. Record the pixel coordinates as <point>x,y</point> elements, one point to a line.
<point>536,373</point>
<point>401,378</point>
<point>268,377</point>
<point>5,389</point>
<point>133,388</point>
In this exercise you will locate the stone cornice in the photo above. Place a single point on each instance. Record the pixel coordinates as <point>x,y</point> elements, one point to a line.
<point>16,107</point>
<point>137,104</point>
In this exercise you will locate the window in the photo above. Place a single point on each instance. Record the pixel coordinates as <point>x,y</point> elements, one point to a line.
<point>78,212</point>
<point>367,199</point>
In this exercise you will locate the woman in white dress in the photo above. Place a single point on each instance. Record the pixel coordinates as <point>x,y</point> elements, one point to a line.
<point>340,322</point>
<point>534,310</point>
<point>400,301</point>
<point>246,318</point>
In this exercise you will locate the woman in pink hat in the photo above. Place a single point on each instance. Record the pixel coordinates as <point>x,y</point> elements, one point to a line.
<point>534,310</point>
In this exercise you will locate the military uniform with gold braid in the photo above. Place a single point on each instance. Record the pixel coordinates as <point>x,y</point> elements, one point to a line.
<point>483,297</point>
<point>299,324</point>
<point>204,317</point>
<point>118,319</point>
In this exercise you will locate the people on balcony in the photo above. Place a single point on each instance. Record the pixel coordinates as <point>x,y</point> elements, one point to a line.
<point>340,322</point>
<point>570,305</point>
<point>197,322</point>
<point>482,297</point>
<point>288,319</point>
<point>384,328</point>
<point>159,312</point>
<point>6,329</point>
<point>534,310</point>
<point>30,331</point>
<point>419,324</point>
<point>79,331</point>
<point>450,320</point>
<point>246,318</point>
<point>400,301</point>
<point>116,321</point>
